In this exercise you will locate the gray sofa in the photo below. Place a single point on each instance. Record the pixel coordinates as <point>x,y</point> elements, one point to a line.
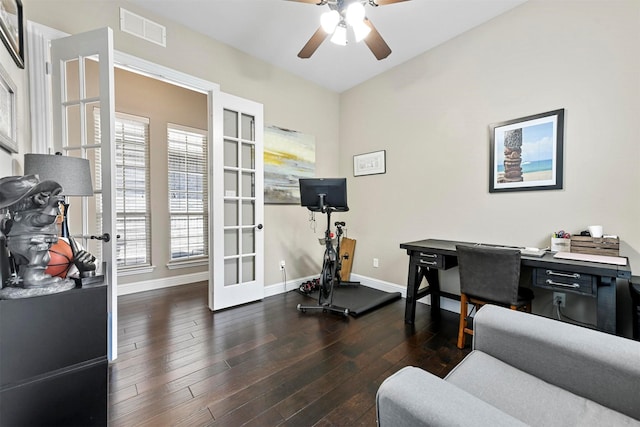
<point>523,370</point>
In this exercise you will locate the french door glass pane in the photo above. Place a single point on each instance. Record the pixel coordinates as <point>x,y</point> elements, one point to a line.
<point>231,242</point>
<point>248,241</point>
<point>248,156</point>
<point>230,123</point>
<point>230,271</point>
<point>248,269</point>
<point>230,183</point>
<point>230,213</point>
<point>248,212</point>
<point>230,153</point>
<point>248,131</point>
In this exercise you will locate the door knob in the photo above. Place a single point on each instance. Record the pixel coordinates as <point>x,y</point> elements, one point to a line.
<point>259,226</point>
<point>106,237</point>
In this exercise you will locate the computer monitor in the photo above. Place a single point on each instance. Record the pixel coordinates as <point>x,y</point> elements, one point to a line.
<point>318,194</point>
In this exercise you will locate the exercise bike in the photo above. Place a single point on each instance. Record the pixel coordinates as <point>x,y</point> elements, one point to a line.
<point>327,202</point>
<point>330,275</point>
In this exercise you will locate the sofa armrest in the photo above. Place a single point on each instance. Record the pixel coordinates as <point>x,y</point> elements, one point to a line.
<point>412,397</point>
<point>601,367</point>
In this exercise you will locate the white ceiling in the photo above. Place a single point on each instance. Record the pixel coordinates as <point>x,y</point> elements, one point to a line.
<point>276,30</point>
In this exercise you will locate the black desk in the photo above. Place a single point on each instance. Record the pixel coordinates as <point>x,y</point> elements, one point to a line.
<point>597,280</point>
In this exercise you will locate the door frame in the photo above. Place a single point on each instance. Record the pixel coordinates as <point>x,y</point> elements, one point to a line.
<point>40,81</point>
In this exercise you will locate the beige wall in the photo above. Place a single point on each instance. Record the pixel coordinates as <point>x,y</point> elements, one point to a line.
<point>289,102</point>
<point>432,113</point>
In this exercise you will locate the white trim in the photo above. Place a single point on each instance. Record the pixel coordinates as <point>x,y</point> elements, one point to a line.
<point>39,58</point>
<point>132,271</point>
<point>280,288</point>
<point>159,72</point>
<point>165,282</point>
<point>175,265</point>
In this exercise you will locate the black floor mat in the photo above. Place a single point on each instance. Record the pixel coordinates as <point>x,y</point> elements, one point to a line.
<point>358,299</point>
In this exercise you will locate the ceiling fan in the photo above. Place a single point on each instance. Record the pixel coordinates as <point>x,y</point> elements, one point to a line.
<point>343,14</point>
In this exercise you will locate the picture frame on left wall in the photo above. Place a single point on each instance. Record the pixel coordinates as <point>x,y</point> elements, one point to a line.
<point>11,29</point>
<point>8,113</point>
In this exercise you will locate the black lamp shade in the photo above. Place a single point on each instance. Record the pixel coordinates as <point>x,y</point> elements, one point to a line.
<point>72,173</point>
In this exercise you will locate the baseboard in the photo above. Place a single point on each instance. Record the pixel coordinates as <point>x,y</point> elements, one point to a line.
<point>381,285</point>
<point>280,288</point>
<point>165,282</point>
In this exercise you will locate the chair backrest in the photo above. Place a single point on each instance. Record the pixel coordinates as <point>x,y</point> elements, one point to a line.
<point>489,273</point>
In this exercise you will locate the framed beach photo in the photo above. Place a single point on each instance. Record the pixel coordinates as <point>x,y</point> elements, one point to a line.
<point>526,153</point>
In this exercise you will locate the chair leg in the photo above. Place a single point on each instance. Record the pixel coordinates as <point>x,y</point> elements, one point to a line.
<point>463,320</point>
<point>525,308</point>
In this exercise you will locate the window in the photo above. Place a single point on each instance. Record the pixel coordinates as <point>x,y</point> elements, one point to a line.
<point>132,189</point>
<point>188,189</point>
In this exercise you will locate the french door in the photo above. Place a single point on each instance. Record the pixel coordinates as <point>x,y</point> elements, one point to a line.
<point>236,244</point>
<point>75,96</point>
<point>237,233</point>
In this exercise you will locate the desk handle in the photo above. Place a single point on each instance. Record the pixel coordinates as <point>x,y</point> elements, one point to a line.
<point>428,262</point>
<point>562,285</point>
<point>571,276</point>
<point>429,255</point>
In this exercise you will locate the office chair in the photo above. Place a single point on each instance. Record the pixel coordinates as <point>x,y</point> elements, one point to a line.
<point>489,276</point>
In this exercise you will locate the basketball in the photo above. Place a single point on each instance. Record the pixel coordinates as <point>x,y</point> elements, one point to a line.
<point>61,259</point>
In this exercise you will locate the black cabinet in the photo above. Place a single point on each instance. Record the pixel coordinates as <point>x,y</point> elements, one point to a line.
<point>634,288</point>
<point>53,359</point>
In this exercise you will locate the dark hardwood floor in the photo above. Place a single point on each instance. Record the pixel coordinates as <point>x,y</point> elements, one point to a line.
<point>263,364</point>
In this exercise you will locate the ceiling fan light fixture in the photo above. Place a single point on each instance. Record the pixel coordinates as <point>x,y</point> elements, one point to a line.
<point>340,35</point>
<point>355,13</point>
<point>360,30</point>
<point>329,21</point>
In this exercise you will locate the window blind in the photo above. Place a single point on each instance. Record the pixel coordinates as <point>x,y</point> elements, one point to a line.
<point>188,192</point>
<point>133,219</point>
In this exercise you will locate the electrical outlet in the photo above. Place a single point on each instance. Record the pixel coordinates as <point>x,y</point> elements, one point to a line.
<point>282,265</point>
<point>559,298</point>
<point>375,263</point>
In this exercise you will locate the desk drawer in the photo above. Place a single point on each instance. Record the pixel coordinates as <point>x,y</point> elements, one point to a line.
<point>565,281</point>
<point>429,259</point>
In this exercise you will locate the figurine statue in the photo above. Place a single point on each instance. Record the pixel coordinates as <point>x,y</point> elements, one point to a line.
<point>30,230</point>
<point>83,260</point>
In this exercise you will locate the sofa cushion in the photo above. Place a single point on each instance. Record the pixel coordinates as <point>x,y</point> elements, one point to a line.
<point>527,398</point>
<point>600,367</point>
<point>413,398</point>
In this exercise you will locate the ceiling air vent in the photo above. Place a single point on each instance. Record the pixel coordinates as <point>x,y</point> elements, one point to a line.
<point>143,28</point>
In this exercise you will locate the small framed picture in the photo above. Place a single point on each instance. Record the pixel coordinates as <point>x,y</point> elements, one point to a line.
<point>370,163</point>
<point>8,113</point>
<point>11,29</point>
<point>526,153</point>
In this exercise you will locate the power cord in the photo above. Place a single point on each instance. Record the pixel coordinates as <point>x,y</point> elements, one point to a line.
<point>312,221</point>
<point>284,277</point>
<point>560,314</point>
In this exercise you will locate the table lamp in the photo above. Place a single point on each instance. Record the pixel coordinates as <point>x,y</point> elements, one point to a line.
<point>72,173</point>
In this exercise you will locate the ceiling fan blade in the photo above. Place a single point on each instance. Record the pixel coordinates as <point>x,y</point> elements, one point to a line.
<point>378,2</point>
<point>376,43</point>
<point>314,42</point>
